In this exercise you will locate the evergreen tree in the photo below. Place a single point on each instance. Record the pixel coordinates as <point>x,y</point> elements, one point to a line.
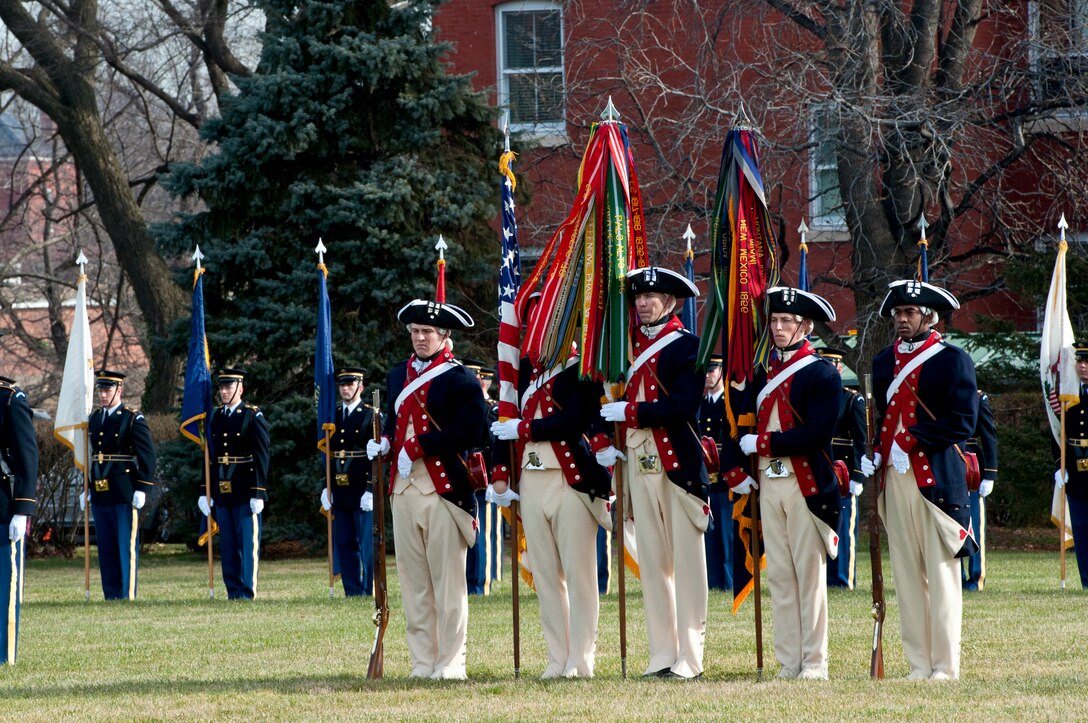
<point>350,131</point>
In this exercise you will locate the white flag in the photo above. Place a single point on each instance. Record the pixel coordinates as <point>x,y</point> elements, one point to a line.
<point>77,387</point>
<point>1057,363</point>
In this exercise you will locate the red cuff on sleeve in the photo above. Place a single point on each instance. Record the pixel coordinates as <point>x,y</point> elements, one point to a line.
<point>413,449</point>
<point>500,473</point>
<point>631,414</point>
<point>763,445</point>
<point>600,441</point>
<point>735,476</point>
<point>525,430</point>
<point>906,440</point>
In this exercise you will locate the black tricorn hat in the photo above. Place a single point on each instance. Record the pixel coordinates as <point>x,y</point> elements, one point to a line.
<point>434,313</point>
<point>346,375</point>
<point>229,375</point>
<point>662,281</point>
<point>908,292</point>
<point>106,378</point>
<point>788,300</point>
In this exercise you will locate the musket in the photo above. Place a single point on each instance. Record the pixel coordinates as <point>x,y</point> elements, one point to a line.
<point>876,662</point>
<point>621,587</point>
<point>376,667</point>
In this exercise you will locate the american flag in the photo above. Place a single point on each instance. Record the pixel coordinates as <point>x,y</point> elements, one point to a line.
<point>509,285</point>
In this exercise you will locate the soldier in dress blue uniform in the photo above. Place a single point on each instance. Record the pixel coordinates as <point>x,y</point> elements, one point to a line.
<point>1075,479</point>
<point>486,557</point>
<point>926,402</point>
<point>666,478</point>
<point>434,416</point>
<point>238,446</point>
<point>122,473</point>
<point>719,536</point>
<point>848,447</point>
<point>19,463</point>
<point>352,502</point>
<point>984,444</point>
<point>797,406</point>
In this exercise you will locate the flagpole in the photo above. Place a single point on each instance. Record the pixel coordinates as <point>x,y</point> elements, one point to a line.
<point>328,517</point>
<point>515,561</point>
<point>1061,504</point>
<point>86,515</point>
<point>208,496</point>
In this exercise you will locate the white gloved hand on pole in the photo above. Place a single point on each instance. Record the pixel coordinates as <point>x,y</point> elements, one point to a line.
<point>373,449</point>
<point>138,499</point>
<point>256,506</point>
<point>205,505</point>
<point>1060,478</point>
<point>746,485</point>
<point>507,430</point>
<point>869,466</point>
<point>614,411</point>
<point>326,500</point>
<point>504,498</point>
<point>748,443</point>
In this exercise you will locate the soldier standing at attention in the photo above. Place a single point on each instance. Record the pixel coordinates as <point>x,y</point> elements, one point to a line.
<point>19,462</point>
<point>719,536</point>
<point>239,445</point>
<point>926,403</point>
<point>352,502</point>
<point>1075,480</point>
<point>122,473</point>
<point>984,444</point>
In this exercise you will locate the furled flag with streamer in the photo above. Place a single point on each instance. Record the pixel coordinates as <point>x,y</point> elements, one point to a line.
<point>196,402</point>
<point>585,263</point>
<point>324,375</point>
<point>1057,361</point>
<point>76,395</point>
<point>509,350</point>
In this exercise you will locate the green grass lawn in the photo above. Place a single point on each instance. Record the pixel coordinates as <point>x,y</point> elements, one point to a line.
<point>295,654</point>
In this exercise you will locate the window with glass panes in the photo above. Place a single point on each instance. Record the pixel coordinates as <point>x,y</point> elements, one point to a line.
<point>826,204</point>
<point>530,36</point>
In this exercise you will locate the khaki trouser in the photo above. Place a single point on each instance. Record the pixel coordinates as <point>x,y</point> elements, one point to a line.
<point>561,534</point>
<point>796,575</point>
<point>672,564</point>
<point>927,578</point>
<point>430,552</point>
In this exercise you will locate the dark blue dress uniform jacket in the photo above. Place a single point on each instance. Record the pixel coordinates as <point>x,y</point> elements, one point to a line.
<point>984,441</point>
<point>455,404</point>
<point>848,444</point>
<point>351,435</point>
<point>814,395</point>
<point>123,433</point>
<point>241,434</point>
<point>575,420</point>
<point>711,421</point>
<point>19,447</point>
<point>676,410</point>
<point>946,386</point>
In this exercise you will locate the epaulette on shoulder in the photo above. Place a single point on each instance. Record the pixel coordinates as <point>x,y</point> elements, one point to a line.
<point>254,407</point>
<point>134,412</point>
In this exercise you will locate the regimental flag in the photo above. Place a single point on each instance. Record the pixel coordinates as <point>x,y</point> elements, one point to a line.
<point>196,403</point>
<point>76,388</point>
<point>324,374</point>
<point>509,350</point>
<point>585,264</point>
<point>1057,359</point>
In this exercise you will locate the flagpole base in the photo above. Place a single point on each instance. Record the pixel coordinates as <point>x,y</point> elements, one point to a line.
<point>211,593</point>
<point>1062,585</point>
<point>87,593</point>
<point>623,668</point>
<point>332,592</point>
<point>517,673</point>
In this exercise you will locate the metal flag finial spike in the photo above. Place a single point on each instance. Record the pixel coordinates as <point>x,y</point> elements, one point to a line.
<point>923,225</point>
<point>197,256</point>
<point>441,246</point>
<point>81,260</point>
<point>803,230</point>
<point>320,250</point>
<point>1063,225</point>
<point>506,132</point>
<point>689,236</point>
<point>610,114</point>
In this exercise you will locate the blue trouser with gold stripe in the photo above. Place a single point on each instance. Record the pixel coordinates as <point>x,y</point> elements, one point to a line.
<point>353,535</point>
<point>117,531</point>
<point>11,597</point>
<point>240,548</point>
<point>842,571</point>
<point>718,541</point>
<point>974,566</point>
<point>484,560</point>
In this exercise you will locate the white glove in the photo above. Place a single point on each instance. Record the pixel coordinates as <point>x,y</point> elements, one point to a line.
<point>985,487</point>
<point>17,528</point>
<point>82,501</point>
<point>506,430</point>
<point>868,466</point>
<point>614,411</point>
<point>366,502</point>
<point>502,499</point>
<point>900,459</point>
<point>748,443</point>
<point>373,449</point>
<point>856,488</point>
<point>138,499</point>
<point>1060,479</point>
<point>256,506</point>
<point>607,457</point>
<point>489,494</point>
<point>205,505</point>
<point>326,500</point>
<point>747,485</point>
<point>404,463</point>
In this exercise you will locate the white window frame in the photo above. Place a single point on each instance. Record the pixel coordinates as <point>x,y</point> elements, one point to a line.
<point>821,216</point>
<point>551,133</point>
<point>1039,54</point>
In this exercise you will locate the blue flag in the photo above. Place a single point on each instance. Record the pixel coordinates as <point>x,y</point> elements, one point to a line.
<point>197,400</point>
<point>687,314</point>
<point>324,377</point>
